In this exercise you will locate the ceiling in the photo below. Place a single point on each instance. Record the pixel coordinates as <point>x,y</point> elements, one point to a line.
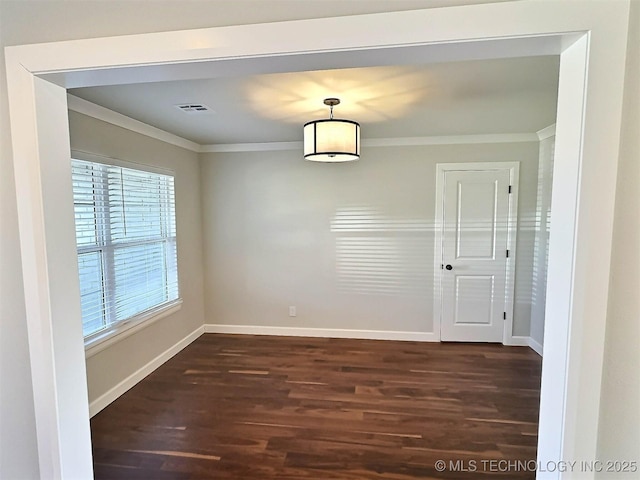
<point>510,95</point>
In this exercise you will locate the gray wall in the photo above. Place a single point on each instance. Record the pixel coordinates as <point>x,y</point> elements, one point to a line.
<point>125,357</point>
<point>350,245</point>
<point>619,423</point>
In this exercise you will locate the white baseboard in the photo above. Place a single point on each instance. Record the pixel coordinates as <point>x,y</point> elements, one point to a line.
<point>523,341</point>
<point>103,400</point>
<point>322,332</point>
<point>535,346</point>
<point>517,341</point>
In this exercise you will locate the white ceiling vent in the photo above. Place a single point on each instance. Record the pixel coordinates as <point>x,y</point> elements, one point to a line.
<point>193,108</point>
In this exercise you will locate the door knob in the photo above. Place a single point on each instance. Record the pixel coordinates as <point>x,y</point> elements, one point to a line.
<point>449,267</point>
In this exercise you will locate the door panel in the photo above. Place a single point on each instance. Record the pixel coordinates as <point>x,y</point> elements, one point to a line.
<point>475,232</point>
<point>473,299</point>
<point>474,246</point>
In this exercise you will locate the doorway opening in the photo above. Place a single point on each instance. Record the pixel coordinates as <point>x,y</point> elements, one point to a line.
<point>39,75</point>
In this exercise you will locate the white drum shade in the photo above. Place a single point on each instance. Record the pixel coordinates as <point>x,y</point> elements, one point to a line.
<point>332,140</point>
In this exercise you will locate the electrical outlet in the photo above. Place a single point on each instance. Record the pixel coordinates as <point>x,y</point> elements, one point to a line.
<point>292,311</point>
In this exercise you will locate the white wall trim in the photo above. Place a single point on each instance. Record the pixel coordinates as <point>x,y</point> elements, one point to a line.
<point>105,399</point>
<point>523,341</point>
<point>251,147</point>
<point>546,132</point>
<point>535,346</point>
<point>119,162</point>
<point>90,109</point>
<point>450,140</point>
<point>380,142</point>
<point>517,341</point>
<point>99,342</point>
<point>322,332</point>
<point>513,341</point>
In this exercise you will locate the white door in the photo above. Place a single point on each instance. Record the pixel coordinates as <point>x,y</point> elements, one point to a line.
<point>474,242</point>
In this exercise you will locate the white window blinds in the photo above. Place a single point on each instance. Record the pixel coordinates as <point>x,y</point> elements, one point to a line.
<point>126,239</point>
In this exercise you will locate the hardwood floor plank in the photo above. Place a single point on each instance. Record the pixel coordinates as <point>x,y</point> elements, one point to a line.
<point>252,407</point>
<point>167,453</point>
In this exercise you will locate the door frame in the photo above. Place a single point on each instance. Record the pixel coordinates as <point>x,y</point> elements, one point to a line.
<point>512,231</point>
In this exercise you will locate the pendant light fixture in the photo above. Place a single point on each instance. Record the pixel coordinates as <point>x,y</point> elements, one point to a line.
<point>332,139</point>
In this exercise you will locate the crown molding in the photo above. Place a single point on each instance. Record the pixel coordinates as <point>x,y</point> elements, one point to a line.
<point>546,132</point>
<point>250,147</point>
<point>90,109</point>
<point>451,140</point>
<point>379,142</point>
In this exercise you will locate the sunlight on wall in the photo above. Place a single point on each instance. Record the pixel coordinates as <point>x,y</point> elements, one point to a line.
<point>378,254</point>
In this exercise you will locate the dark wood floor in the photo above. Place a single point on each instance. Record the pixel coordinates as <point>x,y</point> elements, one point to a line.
<point>252,407</point>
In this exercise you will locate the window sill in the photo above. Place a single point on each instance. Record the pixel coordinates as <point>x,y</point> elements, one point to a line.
<point>104,340</point>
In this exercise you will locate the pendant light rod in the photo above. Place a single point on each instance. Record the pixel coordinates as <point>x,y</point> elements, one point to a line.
<point>331,102</point>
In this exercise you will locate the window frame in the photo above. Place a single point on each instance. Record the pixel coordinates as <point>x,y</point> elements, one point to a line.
<point>102,339</point>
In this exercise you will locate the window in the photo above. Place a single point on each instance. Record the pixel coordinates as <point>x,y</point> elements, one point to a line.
<point>126,241</point>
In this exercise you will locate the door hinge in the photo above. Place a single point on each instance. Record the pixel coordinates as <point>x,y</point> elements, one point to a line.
<point>442,266</point>
<point>509,188</point>
<point>507,253</point>
<point>504,315</point>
